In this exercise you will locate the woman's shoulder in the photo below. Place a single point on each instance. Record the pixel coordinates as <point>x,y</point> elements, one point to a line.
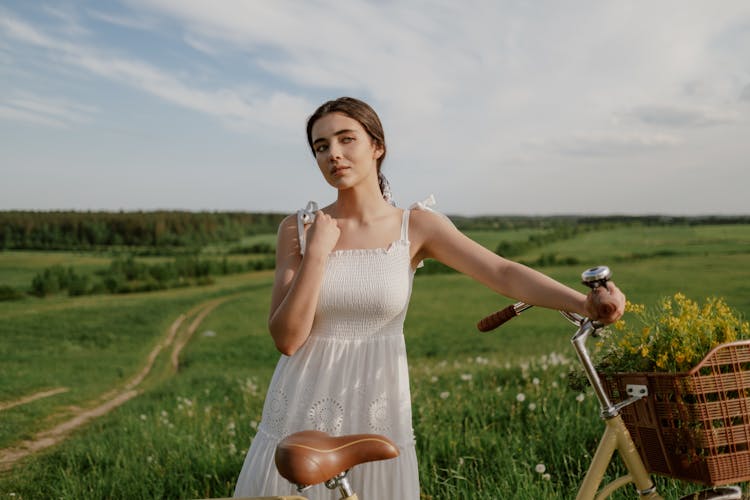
<point>425,222</point>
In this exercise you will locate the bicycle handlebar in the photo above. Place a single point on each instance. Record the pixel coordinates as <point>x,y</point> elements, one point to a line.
<point>499,317</point>
<point>593,277</point>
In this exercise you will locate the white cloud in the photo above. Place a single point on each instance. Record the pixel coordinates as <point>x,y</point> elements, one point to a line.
<point>136,22</point>
<point>683,116</point>
<point>273,109</point>
<point>48,111</point>
<point>24,115</point>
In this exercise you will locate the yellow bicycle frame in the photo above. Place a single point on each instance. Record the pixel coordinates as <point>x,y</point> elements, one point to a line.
<point>616,435</point>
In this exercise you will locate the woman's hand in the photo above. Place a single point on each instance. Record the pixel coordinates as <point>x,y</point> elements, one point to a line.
<point>605,304</point>
<point>322,235</point>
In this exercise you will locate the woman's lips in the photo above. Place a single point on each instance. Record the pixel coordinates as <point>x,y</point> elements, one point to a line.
<point>338,171</point>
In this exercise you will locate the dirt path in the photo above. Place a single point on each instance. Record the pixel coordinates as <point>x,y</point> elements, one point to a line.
<point>32,397</point>
<point>110,400</point>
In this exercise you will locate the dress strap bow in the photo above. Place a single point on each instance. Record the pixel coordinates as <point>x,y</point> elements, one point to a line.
<point>305,216</point>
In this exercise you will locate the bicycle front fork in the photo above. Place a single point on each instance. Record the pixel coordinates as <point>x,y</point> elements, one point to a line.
<point>616,437</point>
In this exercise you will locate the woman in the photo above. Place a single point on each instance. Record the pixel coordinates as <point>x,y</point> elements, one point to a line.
<point>339,300</point>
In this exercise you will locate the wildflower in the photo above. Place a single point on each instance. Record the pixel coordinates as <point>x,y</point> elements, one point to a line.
<point>143,417</point>
<point>520,397</point>
<point>532,406</point>
<point>254,424</point>
<point>444,395</point>
<point>674,336</point>
<point>540,468</point>
<point>535,381</point>
<point>580,397</point>
<point>466,377</point>
<point>433,379</point>
<point>546,476</point>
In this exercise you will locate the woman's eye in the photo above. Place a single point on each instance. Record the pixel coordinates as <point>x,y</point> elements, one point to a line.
<point>321,148</point>
<point>347,140</point>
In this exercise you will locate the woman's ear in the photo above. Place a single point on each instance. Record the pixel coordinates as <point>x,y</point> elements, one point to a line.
<point>378,151</point>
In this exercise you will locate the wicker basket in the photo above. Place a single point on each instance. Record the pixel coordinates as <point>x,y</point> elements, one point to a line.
<point>695,425</point>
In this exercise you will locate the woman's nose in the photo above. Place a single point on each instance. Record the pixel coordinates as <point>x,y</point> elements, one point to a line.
<point>334,151</point>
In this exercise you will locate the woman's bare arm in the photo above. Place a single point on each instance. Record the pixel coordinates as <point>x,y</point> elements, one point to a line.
<point>435,237</point>
<point>297,281</point>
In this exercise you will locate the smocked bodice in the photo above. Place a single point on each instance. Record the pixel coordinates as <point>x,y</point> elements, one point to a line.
<point>365,293</point>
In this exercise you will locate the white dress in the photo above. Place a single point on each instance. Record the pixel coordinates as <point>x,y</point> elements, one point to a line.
<point>349,377</point>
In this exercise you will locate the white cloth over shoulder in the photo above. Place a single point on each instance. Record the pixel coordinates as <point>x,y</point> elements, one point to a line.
<point>305,216</point>
<point>427,205</point>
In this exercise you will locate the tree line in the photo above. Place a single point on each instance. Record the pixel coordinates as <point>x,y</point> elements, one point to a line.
<point>72,230</point>
<point>26,230</point>
<point>127,275</point>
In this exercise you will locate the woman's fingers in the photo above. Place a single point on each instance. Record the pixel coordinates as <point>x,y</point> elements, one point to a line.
<point>323,233</point>
<point>606,304</point>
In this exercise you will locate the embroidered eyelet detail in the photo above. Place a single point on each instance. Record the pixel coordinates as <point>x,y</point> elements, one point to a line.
<point>379,419</point>
<point>327,415</point>
<point>277,404</point>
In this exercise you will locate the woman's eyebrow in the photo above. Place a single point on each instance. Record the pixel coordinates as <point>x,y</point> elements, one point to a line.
<point>342,131</point>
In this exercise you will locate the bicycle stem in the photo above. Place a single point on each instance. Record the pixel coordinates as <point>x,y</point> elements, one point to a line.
<point>585,329</point>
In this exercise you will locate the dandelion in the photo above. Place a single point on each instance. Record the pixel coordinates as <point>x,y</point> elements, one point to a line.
<point>433,379</point>
<point>532,406</point>
<point>149,459</point>
<point>466,377</point>
<point>254,425</point>
<point>546,476</point>
<point>540,468</point>
<point>232,449</point>
<point>444,395</point>
<point>580,397</point>
<point>520,397</point>
<point>535,381</point>
<point>143,417</point>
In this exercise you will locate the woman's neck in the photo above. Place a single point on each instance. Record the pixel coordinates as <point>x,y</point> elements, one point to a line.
<point>360,204</point>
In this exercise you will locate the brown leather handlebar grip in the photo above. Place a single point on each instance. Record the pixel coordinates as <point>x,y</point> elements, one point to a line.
<point>496,319</point>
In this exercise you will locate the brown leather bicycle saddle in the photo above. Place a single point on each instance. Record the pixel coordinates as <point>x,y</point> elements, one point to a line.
<point>312,457</point>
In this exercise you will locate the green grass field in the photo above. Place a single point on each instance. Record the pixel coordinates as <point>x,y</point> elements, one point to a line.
<point>489,409</point>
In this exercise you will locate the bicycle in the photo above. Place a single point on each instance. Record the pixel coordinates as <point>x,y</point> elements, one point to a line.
<point>311,457</point>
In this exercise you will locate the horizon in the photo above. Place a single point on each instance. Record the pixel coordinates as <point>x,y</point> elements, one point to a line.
<point>450,215</point>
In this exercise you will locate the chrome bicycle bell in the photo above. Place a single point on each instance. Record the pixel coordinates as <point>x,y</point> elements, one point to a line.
<point>595,277</point>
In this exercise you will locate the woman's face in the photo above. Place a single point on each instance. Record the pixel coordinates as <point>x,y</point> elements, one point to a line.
<point>344,150</point>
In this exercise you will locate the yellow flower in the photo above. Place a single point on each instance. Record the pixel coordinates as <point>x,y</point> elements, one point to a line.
<point>661,361</point>
<point>675,335</point>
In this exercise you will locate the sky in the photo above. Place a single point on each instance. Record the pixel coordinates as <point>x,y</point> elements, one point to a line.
<point>495,107</point>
